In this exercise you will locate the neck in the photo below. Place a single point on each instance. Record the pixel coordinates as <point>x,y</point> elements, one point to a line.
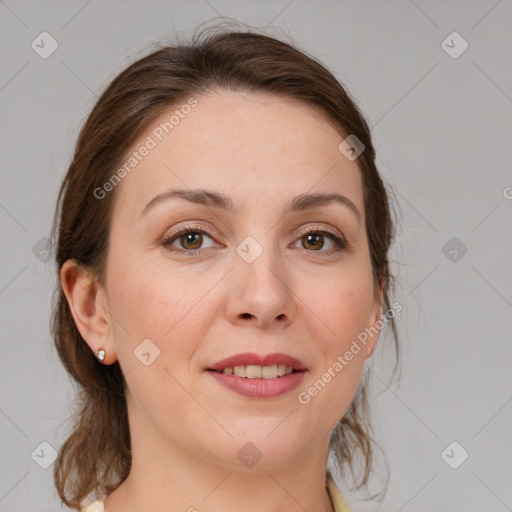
<point>225,491</point>
<point>172,479</point>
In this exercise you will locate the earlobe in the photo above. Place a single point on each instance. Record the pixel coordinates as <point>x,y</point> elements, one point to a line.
<point>86,300</point>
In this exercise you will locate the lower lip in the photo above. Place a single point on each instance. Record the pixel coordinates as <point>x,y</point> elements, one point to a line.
<point>259,388</point>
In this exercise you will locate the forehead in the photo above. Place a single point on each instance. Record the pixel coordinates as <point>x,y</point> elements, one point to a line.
<point>255,147</point>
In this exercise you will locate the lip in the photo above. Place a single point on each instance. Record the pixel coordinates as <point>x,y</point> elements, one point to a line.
<point>259,388</point>
<point>258,360</point>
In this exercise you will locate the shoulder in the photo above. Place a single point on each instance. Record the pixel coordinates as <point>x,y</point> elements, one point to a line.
<point>338,500</point>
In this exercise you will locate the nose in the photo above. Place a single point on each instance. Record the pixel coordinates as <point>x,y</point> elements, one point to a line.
<point>260,293</point>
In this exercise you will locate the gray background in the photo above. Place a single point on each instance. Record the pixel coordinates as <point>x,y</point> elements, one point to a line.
<point>442,128</point>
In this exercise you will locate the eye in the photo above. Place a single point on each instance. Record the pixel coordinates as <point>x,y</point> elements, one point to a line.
<point>190,238</point>
<point>314,240</point>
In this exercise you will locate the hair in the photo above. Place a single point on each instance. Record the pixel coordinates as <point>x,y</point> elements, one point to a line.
<point>96,456</point>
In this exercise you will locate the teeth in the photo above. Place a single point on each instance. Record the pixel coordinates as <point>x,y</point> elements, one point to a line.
<point>269,372</point>
<point>239,371</point>
<point>252,371</point>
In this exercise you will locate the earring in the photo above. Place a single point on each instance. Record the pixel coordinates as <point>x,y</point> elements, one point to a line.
<point>100,355</point>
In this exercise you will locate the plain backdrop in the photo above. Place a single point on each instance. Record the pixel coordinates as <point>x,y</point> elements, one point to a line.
<point>434,80</point>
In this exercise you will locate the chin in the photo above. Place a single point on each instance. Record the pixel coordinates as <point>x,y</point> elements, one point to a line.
<point>263,449</point>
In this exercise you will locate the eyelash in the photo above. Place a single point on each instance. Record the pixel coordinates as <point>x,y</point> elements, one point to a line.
<point>341,243</point>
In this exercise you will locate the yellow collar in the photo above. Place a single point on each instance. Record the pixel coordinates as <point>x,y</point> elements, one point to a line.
<point>338,501</point>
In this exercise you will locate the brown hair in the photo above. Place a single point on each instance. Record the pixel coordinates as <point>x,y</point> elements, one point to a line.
<point>96,456</point>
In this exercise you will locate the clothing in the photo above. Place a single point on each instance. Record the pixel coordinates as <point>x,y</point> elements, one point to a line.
<point>97,506</point>
<point>338,501</point>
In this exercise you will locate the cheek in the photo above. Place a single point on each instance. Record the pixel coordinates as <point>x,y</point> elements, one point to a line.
<point>342,307</point>
<point>152,303</point>
<point>343,302</point>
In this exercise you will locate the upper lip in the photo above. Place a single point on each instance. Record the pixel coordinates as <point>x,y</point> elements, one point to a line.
<point>258,360</point>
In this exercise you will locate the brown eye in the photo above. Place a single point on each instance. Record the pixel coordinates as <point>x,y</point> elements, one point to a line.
<point>191,240</point>
<point>314,241</point>
<point>188,239</point>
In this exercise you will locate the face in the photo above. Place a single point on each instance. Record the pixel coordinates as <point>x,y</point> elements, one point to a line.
<point>247,275</point>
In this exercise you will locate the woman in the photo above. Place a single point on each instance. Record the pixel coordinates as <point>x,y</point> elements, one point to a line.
<point>222,244</point>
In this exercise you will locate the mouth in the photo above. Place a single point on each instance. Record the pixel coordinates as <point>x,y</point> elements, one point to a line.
<point>252,371</point>
<point>258,376</point>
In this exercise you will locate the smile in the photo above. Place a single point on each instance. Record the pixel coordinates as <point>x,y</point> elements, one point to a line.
<point>259,376</point>
<point>251,371</point>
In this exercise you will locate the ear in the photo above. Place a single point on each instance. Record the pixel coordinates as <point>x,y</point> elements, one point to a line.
<point>88,305</point>
<point>375,321</point>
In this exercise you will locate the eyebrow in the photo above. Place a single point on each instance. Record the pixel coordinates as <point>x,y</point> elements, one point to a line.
<point>222,202</point>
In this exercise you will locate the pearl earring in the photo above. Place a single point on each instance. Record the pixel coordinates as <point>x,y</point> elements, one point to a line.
<point>100,355</point>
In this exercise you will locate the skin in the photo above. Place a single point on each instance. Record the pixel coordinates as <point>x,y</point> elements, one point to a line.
<point>301,298</point>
